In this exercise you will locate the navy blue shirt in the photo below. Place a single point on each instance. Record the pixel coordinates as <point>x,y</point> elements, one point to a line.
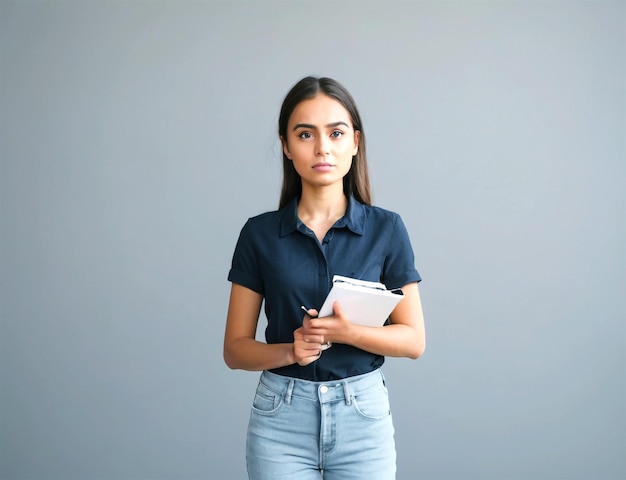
<point>279,257</point>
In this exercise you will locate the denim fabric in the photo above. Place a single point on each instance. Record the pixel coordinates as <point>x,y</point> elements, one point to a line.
<point>303,430</point>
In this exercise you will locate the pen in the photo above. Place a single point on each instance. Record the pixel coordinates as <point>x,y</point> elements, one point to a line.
<point>306,310</point>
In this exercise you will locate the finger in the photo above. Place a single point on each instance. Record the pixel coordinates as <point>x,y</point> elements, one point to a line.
<point>310,312</point>
<point>309,323</point>
<point>314,354</point>
<point>304,361</point>
<point>308,347</point>
<point>316,324</point>
<point>313,339</point>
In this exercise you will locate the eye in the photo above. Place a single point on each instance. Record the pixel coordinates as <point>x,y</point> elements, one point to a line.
<point>305,135</point>
<point>336,134</point>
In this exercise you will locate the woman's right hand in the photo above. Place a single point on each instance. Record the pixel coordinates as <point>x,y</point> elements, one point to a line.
<point>306,349</point>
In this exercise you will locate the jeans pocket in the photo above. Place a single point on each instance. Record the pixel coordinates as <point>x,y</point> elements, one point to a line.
<point>373,404</point>
<point>266,401</point>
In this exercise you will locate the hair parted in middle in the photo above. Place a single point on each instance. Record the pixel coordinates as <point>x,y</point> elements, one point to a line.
<point>356,182</point>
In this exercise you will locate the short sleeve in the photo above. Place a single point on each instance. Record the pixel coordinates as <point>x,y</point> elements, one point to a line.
<point>245,268</point>
<point>399,267</point>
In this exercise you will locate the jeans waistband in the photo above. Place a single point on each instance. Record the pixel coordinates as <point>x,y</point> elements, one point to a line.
<point>323,392</point>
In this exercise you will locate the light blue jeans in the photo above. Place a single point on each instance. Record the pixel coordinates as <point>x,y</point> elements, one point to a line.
<point>302,430</point>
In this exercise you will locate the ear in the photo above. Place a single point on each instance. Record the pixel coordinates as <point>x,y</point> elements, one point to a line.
<point>285,147</point>
<point>357,137</point>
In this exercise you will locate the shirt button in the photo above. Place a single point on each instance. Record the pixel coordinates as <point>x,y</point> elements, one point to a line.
<point>323,389</point>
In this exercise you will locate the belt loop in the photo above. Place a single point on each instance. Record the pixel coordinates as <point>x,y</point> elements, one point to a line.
<point>289,391</point>
<point>346,393</point>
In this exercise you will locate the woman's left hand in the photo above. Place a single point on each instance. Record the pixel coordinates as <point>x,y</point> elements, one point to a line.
<point>334,328</point>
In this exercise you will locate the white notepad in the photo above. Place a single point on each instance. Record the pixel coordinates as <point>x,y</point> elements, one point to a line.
<point>365,303</point>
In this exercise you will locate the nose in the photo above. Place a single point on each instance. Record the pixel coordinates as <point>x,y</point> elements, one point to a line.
<point>322,146</point>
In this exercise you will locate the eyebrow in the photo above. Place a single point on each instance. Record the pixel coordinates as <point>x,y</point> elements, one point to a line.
<point>313,127</point>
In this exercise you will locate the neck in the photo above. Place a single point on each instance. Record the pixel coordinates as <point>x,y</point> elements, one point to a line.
<point>322,204</point>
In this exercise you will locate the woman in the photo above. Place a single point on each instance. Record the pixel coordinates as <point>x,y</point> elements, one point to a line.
<point>320,412</point>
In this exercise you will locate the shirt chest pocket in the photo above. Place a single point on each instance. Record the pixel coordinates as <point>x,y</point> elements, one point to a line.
<point>362,267</point>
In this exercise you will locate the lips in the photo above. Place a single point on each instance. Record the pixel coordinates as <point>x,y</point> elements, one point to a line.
<point>323,167</point>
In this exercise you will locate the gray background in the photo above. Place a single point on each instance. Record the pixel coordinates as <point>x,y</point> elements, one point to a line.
<point>137,138</point>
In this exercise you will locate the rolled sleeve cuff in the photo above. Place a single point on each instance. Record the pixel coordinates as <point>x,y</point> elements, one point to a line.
<point>241,278</point>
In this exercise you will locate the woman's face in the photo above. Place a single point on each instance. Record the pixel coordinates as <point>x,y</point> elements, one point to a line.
<point>321,141</point>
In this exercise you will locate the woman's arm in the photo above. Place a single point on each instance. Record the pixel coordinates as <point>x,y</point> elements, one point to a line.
<point>242,351</point>
<point>405,337</point>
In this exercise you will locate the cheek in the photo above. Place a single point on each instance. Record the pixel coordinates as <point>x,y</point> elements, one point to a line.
<point>346,154</point>
<point>298,155</point>
<point>345,165</point>
<point>300,161</point>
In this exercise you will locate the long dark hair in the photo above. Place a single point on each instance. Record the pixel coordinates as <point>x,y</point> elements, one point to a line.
<point>356,182</point>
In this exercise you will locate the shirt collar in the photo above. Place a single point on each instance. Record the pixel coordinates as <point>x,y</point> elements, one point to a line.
<point>354,218</point>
